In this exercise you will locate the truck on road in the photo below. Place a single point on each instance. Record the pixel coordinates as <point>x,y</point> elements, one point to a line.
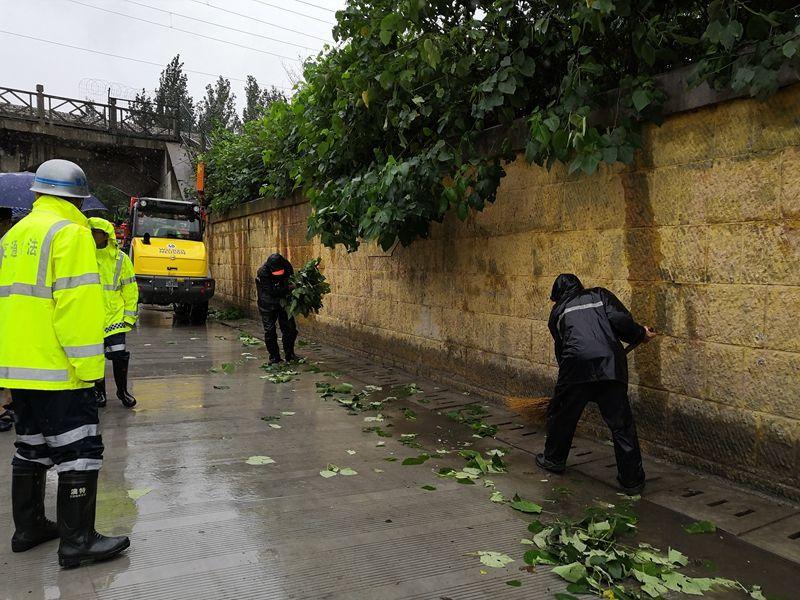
<point>164,239</point>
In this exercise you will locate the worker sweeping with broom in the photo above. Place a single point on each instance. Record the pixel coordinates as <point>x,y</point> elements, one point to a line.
<point>588,326</point>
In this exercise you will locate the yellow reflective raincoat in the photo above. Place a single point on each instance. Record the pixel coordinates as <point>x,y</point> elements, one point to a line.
<point>120,290</point>
<point>51,302</point>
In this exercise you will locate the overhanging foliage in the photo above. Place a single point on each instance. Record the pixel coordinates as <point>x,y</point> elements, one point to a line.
<point>386,133</point>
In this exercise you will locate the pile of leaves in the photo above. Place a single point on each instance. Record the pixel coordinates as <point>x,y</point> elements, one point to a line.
<point>327,390</point>
<point>249,340</point>
<point>279,372</point>
<point>308,288</point>
<point>589,556</point>
<point>476,467</point>
<point>472,415</point>
<point>227,314</point>
<point>392,127</point>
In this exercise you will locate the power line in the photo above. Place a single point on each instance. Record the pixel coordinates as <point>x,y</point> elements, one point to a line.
<point>289,10</point>
<point>251,18</point>
<point>316,5</point>
<point>169,12</point>
<point>137,60</point>
<point>208,37</point>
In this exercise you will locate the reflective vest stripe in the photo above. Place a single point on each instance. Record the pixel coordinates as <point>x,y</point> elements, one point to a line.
<point>66,283</point>
<point>118,269</point>
<point>47,462</point>
<point>26,289</point>
<point>44,254</point>
<point>128,280</point>
<point>36,439</point>
<point>109,288</point>
<point>579,307</point>
<point>27,374</point>
<point>83,351</point>
<point>131,313</point>
<point>74,435</point>
<point>80,464</point>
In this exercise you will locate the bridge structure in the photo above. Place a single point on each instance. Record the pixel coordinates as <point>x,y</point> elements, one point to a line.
<point>120,146</point>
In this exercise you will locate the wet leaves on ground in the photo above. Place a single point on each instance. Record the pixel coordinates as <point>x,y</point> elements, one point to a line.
<point>333,470</point>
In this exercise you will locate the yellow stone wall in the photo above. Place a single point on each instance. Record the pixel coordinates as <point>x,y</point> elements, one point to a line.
<point>700,238</point>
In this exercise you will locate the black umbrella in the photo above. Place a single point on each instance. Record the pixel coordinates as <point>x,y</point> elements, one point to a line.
<point>15,193</point>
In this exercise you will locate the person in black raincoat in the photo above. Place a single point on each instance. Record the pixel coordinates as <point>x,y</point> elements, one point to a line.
<point>588,326</point>
<point>273,284</point>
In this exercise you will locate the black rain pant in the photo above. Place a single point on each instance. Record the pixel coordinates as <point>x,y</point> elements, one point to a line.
<point>564,412</point>
<point>58,428</point>
<point>270,315</point>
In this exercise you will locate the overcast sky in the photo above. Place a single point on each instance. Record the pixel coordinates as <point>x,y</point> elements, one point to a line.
<point>76,73</point>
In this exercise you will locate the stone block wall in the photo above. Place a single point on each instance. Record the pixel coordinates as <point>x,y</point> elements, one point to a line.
<point>700,238</point>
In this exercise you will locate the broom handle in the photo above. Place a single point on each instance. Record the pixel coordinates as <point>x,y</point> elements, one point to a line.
<point>631,347</point>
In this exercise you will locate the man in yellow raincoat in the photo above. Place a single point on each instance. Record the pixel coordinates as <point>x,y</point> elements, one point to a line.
<point>121,295</point>
<point>51,353</point>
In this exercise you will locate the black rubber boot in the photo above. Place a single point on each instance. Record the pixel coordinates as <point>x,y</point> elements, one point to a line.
<point>121,379</point>
<point>100,392</point>
<point>77,502</point>
<point>27,500</point>
<point>631,490</point>
<point>549,465</point>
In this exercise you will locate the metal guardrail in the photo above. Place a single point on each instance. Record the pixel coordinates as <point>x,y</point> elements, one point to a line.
<point>119,117</point>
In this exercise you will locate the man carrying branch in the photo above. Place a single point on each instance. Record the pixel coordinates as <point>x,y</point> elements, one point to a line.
<point>273,283</point>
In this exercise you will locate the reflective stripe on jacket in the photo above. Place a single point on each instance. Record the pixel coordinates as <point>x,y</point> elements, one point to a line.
<point>51,302</point>
<point>120,291</point>
<point>588,328</point>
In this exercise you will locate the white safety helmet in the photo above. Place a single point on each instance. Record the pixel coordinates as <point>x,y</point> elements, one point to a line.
<point>61,178</point>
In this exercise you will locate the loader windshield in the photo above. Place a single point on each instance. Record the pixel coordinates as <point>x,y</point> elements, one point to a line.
<point>165,224</point>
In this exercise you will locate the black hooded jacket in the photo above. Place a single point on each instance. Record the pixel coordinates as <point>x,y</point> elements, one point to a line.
<point>271,288</point>
<point>588,327</point>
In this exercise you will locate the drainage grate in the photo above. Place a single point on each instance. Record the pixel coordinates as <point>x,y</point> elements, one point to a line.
<point>731,509</point>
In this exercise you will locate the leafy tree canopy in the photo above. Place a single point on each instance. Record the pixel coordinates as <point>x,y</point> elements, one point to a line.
<point>258,99</point>
<point>388,131</point>
<point>218,107</point>
<point>172,94</point>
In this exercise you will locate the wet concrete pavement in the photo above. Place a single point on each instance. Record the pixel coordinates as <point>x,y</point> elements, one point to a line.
<point>206,524</point>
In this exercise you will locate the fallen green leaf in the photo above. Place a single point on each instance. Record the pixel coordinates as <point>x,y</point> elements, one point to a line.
<point>514,583</point>
<point>429,488</point>
<point>525,506</point>
<point>700,527</point>
<point>571,572</point>
<point>136,494</point>
<point>416,460</point>
<point>496,560</point>
<point>259,460</point>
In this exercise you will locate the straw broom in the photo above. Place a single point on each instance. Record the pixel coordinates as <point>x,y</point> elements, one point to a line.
<point>534,408</point>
